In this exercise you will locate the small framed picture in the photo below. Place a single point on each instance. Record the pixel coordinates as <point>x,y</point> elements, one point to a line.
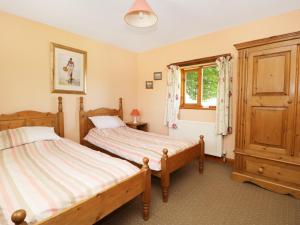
<point>69,69</point>
<point>149,84</point>
<point>157,75</point>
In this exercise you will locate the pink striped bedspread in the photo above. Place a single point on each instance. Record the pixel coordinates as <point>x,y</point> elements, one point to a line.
<point>45,177</point>
<point>134,144</point>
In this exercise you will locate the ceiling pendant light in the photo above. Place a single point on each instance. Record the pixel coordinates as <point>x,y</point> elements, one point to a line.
<point>140,15</point>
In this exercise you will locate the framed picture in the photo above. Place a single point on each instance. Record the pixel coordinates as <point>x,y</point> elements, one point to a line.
<point>157,75</point>
<point>69,70</point>
<point>149,84</point>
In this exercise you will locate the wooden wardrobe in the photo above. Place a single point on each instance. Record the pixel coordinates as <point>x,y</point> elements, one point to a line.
<point>268,116</point>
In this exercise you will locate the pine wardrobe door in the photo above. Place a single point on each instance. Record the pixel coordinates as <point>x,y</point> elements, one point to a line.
<point>270,99</point>
<point>297,137</point>
<point>297,122</point>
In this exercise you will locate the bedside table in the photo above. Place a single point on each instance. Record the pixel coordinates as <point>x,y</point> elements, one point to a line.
<point>139,126</point>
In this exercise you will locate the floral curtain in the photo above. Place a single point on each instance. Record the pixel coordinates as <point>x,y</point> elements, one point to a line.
<point>224,96</point>
<point>173,97</point>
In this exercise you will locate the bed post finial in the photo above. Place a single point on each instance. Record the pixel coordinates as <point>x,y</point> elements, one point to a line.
<point>165,175</point>
<point>201,138</point>
<point>60,106</point>
<point>146,163</point>
<point>18,217</point>
<point>82,121</point>
<point>165,153</point>
<point>121,108</point>
<point>60,118</point>
<point>146,196</point>
<point>202,154</point>
<point>81,103</point>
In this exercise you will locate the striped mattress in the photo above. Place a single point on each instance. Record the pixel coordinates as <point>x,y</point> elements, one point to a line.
<point>45,177</point>
<point>134,145</point>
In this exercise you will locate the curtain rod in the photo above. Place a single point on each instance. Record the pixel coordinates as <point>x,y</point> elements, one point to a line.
<point>199,61</point>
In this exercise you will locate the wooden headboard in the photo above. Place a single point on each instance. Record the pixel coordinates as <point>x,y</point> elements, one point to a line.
<point>84,122</point>
<point>34,118</point>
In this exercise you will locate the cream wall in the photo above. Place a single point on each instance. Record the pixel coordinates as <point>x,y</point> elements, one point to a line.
<point>25,76</point>
<point>151,102</point>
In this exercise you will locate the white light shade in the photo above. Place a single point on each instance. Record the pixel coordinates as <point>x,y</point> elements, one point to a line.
<point>140,15</point>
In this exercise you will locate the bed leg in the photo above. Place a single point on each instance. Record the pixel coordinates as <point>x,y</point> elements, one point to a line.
<point>18,217</point>
<point>165,194</point>
<point>146,196</point>
<point>202,154</point>
<point>165,176</point>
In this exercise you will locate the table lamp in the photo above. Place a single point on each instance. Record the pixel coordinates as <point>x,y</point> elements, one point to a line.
<point>135,113</point>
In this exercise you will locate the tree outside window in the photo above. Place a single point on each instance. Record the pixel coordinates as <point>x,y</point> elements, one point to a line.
<point>199,87</point>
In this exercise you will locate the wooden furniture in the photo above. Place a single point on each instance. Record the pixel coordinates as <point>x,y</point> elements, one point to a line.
<point>168,164</point>
<point>139,126</point>
<point>33,118</point>
<point>93,209</point>
<point>268,117</point>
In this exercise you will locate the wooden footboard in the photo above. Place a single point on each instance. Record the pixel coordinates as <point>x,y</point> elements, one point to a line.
<point>183,158</point>
<point>88,212</point>
<point>170,164</point>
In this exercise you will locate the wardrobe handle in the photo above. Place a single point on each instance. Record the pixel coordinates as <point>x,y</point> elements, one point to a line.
<point>290,101</point>
<point>261,170</point>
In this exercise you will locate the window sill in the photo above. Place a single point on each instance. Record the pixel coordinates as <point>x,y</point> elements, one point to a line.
<point>197,107</point>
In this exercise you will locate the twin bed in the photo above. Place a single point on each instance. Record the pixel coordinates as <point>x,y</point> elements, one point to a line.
<point>166,154</point>
<point>52,180</point>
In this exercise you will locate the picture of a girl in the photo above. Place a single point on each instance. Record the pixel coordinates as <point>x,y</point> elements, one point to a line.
<point>70,69</point>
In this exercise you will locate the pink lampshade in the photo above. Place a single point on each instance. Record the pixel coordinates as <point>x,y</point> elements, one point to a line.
<point>135,112</point>
<point>140,15</point>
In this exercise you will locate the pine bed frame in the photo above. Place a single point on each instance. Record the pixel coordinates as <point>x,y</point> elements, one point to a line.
<point>168,164</point>
<point>93,209</point>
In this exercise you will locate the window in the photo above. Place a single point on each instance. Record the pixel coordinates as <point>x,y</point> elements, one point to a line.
<point>199,87</point>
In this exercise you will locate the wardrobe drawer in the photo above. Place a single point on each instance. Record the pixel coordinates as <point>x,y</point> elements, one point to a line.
<point>275,170</point>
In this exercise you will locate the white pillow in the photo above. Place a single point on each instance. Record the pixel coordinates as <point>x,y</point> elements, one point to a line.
<point>41,134</point>
<point>24,135</point>
<point>103,122</point>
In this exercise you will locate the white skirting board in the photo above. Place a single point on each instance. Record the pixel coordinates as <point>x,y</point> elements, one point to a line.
<point>193,129</point>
